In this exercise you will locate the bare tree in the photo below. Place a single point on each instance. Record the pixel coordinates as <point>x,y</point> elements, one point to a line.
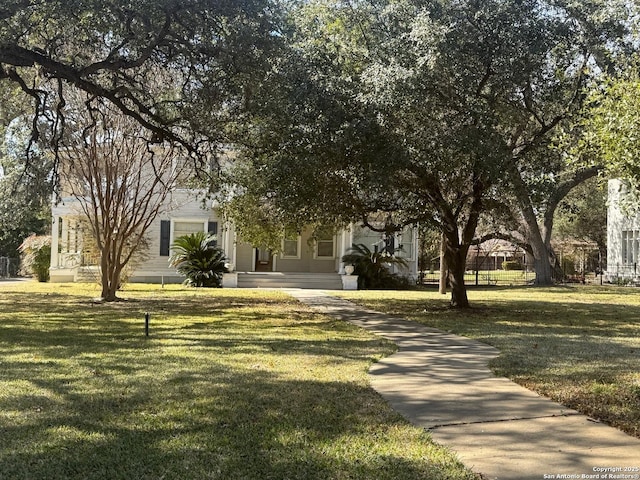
<point>120,181</point>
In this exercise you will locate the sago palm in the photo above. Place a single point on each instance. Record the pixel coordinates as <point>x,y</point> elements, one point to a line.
<point>198,258</point>
<point>372,268</point>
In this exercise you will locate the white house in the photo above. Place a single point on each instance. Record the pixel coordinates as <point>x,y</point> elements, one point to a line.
<point>303,262</point>
<point>623,237</point>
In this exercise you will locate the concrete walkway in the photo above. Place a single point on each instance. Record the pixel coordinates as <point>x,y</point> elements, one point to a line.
<point>441,382</point>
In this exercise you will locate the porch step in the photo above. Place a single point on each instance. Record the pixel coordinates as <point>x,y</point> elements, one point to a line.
<point>323,281</point>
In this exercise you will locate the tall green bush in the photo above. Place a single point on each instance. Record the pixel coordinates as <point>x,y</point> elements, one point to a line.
<point>198,258</point>
<point>36,256</point>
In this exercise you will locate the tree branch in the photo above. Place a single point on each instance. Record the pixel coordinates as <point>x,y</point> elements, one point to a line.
<point>561,191</point>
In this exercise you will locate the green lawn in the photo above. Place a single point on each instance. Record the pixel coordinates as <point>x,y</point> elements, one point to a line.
<point>577,345</point>
<point>231,384</point>
<point>487,277</point>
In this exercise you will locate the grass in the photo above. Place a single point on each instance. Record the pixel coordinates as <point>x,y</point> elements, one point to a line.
<point>488,277</point>
<point>231,384</point>
<point>577,345</point>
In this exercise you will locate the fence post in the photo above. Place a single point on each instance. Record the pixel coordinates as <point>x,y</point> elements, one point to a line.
<point>477,264</point>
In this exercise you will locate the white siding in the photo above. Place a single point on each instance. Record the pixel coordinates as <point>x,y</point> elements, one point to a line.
<point>623,232</point>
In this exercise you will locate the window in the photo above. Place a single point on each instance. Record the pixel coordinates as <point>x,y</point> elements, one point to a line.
<point>291,247</point>
<point>325,245</point>
<point>399,244</point>
<point>372,240</point>
<point>404,243</point>
<point>630,246</point>
<point>181,228</point>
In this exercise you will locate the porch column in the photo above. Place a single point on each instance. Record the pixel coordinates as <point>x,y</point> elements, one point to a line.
<point>55,242</point>
<point>340,251</point>
<point>229,249</point>
<point>234,238</point>
<point>346,240</point>
<point>415,255</point>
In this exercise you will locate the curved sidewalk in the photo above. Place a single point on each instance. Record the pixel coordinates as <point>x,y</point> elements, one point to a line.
<point>442,382</point>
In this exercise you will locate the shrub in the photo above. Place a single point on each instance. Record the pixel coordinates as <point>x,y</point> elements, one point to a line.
<point>371,268</point>
<point>36,256</point>
<point>198,258</point>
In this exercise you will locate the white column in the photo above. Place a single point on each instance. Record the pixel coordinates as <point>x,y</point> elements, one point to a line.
<point>234,240</point>
<point>340,251</point>
<point>345,244</point>
<point>55,231</point>
<point>227,242</point>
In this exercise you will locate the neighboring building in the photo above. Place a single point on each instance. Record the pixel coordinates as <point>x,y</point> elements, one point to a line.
<point>623,237</point>
<point>302,261</point>
<point>492,254</point>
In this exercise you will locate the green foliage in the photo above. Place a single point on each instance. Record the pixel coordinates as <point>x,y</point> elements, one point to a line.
<point>25,187</point>
<point>581,225</point>
<point>196,257</point>
<point>372,268</point>
<point>186,67</point>
<point>36,256</point>
<point>429,241</point>
<point>20,216</point>
<point>433,112</point>
<point>582,215</point>
<point>612,126</point>
<point>256,221</point>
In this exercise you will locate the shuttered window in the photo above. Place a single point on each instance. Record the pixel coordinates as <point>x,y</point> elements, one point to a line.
<point>165,237</point>
<point>181,228</point>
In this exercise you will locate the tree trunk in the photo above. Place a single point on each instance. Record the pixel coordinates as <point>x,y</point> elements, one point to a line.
<point>456,260</point>
<point>541,261</point>
<point>443,266</point>
<point>108,272</point>
<point>459,297</point>
<point>539,237</point>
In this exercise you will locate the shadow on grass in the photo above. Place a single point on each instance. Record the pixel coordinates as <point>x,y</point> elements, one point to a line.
<point>214,424</point>
<point>578,346</point>
<point>227,388</point>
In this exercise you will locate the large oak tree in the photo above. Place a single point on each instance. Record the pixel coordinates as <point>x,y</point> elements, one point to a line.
<point>419,112</point>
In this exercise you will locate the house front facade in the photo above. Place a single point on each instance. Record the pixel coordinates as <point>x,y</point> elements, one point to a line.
<point>623,237</point>
<point>301,261</point>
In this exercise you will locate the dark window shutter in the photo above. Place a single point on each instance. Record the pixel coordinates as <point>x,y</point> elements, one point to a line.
<point>213,230</point>
<point>165,237</point>
<point>390,245</point>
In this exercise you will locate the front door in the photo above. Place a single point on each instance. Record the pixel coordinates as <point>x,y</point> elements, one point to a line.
<point>264,260</point>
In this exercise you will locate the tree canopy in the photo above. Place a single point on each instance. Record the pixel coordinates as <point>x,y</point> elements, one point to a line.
<point>401,112</point>
<point>613,125</point>
<point>390,113</point>
<point>25,194</point>
<point>179,68</point>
